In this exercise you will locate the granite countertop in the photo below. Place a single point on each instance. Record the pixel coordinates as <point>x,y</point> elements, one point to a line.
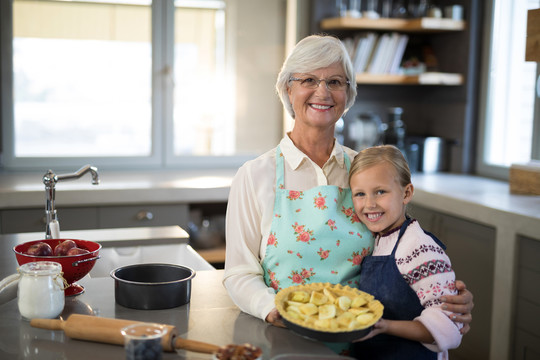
<point>210,317</point>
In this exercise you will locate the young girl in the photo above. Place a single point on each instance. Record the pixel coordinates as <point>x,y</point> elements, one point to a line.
<point>408,270</point>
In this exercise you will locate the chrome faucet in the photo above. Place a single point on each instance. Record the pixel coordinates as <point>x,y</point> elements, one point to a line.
<point>50,179</point>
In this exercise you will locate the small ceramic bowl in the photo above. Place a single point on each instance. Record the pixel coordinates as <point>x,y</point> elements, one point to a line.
<point>249,352</point>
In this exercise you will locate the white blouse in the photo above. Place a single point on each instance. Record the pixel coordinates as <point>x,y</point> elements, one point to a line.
<point>249,217</point>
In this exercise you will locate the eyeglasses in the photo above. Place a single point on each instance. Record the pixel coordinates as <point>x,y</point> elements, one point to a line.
<point>334,84</point>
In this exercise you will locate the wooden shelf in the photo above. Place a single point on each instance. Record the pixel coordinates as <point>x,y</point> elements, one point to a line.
<point>428,78</point>
<point>421,25</point>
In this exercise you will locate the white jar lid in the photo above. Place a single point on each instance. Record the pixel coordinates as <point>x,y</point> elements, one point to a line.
<point>40,268</point>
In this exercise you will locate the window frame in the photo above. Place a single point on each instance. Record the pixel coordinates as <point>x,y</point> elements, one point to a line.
<point>162,102</point>
<point>482,167</point>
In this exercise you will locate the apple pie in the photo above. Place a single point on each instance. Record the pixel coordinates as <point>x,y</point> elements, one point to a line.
<point>328,307</point>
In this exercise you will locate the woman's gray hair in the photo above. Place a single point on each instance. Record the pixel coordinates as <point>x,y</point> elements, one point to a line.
<point>312,53</point>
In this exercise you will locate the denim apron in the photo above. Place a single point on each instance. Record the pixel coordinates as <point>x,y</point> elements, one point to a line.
<point>315,236</point>
<point>382,279</point>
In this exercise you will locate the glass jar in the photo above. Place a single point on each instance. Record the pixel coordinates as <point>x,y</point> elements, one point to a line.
<point>394,133</point>
<point>143,341</point>
<point>41,290</point>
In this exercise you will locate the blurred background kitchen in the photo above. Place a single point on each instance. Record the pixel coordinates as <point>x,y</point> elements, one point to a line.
<point>168,98</point>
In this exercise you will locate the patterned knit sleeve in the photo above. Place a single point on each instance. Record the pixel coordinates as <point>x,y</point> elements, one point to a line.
<point>427,269</point>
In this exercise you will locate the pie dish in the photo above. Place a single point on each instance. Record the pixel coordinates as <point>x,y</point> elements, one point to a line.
<point>328,312</point>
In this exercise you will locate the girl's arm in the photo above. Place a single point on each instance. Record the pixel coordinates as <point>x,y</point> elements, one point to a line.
<point>411,330</point>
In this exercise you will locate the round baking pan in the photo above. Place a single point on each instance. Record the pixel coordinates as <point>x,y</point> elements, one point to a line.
<point>340,336</point>
<point>152,286</point>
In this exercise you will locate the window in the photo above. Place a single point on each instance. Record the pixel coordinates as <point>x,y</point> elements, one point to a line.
<point>136,83</point>
<point>510,103</point>
<point>82,79</point>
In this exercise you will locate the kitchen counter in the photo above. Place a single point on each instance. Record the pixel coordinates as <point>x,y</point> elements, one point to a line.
<point>210,317</point>
<point>24,190</point>
<point>464,194</point>
<point>480,200</point>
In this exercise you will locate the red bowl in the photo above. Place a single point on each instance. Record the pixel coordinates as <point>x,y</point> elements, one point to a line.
<point>75,267</point>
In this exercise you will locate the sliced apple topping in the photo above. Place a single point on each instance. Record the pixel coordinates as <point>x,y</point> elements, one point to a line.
<point>328,307</point>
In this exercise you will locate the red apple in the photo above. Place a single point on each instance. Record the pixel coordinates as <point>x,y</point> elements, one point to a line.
<point>39,249</point>
<point>63,248</point>
<point>76,251</point>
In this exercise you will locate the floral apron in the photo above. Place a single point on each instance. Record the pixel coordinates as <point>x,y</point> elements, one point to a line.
<point>315,236</point>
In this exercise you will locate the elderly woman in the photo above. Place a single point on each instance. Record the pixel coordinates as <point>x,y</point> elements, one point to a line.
<point>290,217</point>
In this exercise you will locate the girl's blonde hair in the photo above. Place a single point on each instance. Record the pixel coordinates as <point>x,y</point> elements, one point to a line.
<point>382,153</point>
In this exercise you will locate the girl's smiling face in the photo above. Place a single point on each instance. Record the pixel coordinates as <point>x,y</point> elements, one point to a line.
<point>318,107</point>
<point>379,199</point>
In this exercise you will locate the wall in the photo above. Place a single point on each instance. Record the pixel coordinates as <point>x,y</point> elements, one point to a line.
<point>259,41</point>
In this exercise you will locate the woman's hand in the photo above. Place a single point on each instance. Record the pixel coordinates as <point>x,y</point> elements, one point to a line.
<point>274,318</point>
<point>461,305</point>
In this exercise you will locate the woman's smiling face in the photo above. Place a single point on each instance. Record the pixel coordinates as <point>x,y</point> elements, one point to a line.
<point>318,107</point>
<point>379,199</point>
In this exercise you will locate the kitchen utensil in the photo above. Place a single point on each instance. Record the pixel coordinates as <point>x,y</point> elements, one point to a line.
<point>41,290</point>
<point>366,130</point>
<point>106,330</point>
<point>152,286</point>
<point>394,134</point>
<point>343,336</point>
<point>427,154</point>
<point>454,12</point>
<point>143,341</point>
<point>74,267</point>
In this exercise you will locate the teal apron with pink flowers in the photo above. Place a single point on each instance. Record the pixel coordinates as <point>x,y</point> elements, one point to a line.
<point>315,236</point>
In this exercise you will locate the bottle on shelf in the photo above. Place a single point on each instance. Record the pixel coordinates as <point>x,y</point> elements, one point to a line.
<point>394,133</point>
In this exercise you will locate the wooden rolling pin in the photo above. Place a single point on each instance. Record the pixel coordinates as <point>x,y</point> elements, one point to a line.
<point>106,330</point>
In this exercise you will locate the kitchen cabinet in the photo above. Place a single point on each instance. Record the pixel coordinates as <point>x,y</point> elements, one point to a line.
<point>471,248</point>
<point>33,219</point>
<point>527,305</point>
<point>438,110</point>
<point>145,215</point>
<point>96,217</point>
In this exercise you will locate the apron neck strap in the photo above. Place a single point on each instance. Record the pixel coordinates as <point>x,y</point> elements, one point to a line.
<point>402,230</point>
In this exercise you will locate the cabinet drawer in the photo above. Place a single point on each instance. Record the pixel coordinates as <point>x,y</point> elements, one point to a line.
<point>144,215</point>
<point>528,286</point>
<point>32,220</point>
<point>527,315</point>
<point>529,253</point>
<point>527,346</point>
